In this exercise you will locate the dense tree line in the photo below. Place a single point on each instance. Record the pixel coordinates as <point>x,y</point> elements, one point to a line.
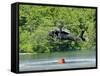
<point>35,22</point>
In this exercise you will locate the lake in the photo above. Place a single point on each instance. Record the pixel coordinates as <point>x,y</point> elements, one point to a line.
<point>49,61</point>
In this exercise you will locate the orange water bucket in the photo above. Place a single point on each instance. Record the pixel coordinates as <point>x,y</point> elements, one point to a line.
<point>61,61</point>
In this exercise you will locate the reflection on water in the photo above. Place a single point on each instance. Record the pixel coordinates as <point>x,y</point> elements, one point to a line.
<point>45,61</point>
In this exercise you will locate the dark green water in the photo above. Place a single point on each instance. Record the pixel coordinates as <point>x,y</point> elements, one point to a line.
<point>68,54</point>
<point>46,61</point>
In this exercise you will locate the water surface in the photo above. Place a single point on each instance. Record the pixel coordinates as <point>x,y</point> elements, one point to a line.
<point>47,61</point>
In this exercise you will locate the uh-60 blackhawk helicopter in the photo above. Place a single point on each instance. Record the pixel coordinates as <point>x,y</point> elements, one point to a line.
<point>65,34</point>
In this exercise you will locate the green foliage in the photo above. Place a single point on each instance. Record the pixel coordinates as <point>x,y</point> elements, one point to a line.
<point>35,22</point>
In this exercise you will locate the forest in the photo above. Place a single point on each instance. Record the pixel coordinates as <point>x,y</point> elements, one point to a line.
<point>35,23</point>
